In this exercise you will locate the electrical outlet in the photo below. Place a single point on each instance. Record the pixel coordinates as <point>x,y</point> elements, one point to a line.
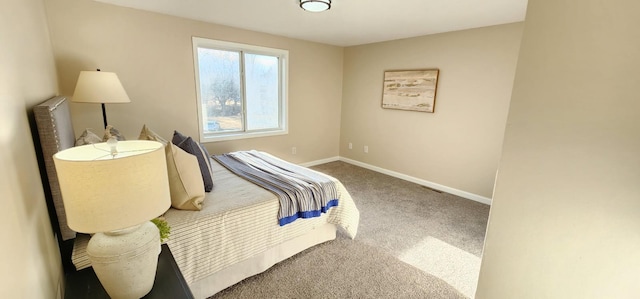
<point>350,145</point>
<point>294,150</point>
<point>366,149</point>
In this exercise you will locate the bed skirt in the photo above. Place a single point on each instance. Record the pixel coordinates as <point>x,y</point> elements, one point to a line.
<point>229,276</point>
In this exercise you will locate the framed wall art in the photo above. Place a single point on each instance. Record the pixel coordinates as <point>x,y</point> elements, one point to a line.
<point>413,90</point>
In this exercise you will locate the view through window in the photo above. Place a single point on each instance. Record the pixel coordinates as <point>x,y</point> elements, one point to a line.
<point>240,89</point>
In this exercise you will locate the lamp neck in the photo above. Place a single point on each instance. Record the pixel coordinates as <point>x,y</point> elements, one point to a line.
<point>123,231</point>
<point>104,115</point>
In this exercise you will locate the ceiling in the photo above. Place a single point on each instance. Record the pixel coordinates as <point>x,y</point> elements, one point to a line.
<point>348,22</point>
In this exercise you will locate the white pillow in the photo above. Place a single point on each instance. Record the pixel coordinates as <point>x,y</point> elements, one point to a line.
<point>185,180</point>
<point>148,134</point>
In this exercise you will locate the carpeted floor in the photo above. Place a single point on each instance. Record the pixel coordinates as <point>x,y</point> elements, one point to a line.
<point>412,242</point>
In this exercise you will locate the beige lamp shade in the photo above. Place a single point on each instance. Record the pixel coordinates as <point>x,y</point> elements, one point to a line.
<point>99,87</point>
<point>103,193</point>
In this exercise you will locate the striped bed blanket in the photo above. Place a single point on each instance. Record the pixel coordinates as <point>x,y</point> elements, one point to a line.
<point>302,192</point>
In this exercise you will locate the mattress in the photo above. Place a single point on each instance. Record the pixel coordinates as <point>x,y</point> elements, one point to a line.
<point>239,220</point>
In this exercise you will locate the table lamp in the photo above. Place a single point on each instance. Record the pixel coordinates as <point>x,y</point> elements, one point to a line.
<point>99,87</point>
<point>113,189</point>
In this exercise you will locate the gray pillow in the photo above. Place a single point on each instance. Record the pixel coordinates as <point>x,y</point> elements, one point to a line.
<point>110,131</point>
<point>88,137</point>
<point>190,146</point>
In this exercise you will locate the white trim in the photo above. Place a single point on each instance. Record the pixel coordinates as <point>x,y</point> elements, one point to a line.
<point>318,162</point>
<point>436,186</point>
<point>242,135</point>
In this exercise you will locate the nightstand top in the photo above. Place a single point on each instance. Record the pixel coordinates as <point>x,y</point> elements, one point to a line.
<point>169,282</point>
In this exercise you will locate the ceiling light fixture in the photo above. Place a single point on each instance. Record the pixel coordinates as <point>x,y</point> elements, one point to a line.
<point>315,5</point>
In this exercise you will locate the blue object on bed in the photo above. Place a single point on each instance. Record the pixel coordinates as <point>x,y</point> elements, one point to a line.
<point>303,193</point>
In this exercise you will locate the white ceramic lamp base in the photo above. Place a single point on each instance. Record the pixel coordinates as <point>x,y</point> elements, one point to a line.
<point>126,261</point>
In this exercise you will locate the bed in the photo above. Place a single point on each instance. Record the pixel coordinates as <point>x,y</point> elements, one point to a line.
<point>234,236</point>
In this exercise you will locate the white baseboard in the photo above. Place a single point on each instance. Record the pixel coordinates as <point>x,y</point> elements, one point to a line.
<point>318,162</point>
<point>436,186</point>
<point>432,185</point>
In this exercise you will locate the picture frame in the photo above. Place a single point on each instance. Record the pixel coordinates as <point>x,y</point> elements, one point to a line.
<point>412,90</point>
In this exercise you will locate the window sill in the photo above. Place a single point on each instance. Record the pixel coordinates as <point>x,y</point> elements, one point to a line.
<point>242,135</point>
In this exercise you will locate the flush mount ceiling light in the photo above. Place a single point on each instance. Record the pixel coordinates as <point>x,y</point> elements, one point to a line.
<point>315,5</point>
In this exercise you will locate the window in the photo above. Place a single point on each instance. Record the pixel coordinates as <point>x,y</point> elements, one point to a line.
<point>241,90</point>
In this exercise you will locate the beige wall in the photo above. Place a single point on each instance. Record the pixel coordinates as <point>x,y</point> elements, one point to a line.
<point>458,146</point>
<point>30,259</point>
<point>565,220</point>
<point>152,55</point>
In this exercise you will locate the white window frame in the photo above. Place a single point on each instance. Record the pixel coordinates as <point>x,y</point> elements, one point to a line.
<point>283,56</point>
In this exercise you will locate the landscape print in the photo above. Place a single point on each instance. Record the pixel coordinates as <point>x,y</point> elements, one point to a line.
<point>413,90</point>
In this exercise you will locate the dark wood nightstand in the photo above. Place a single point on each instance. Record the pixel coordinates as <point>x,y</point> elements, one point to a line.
<point>169,282</point>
